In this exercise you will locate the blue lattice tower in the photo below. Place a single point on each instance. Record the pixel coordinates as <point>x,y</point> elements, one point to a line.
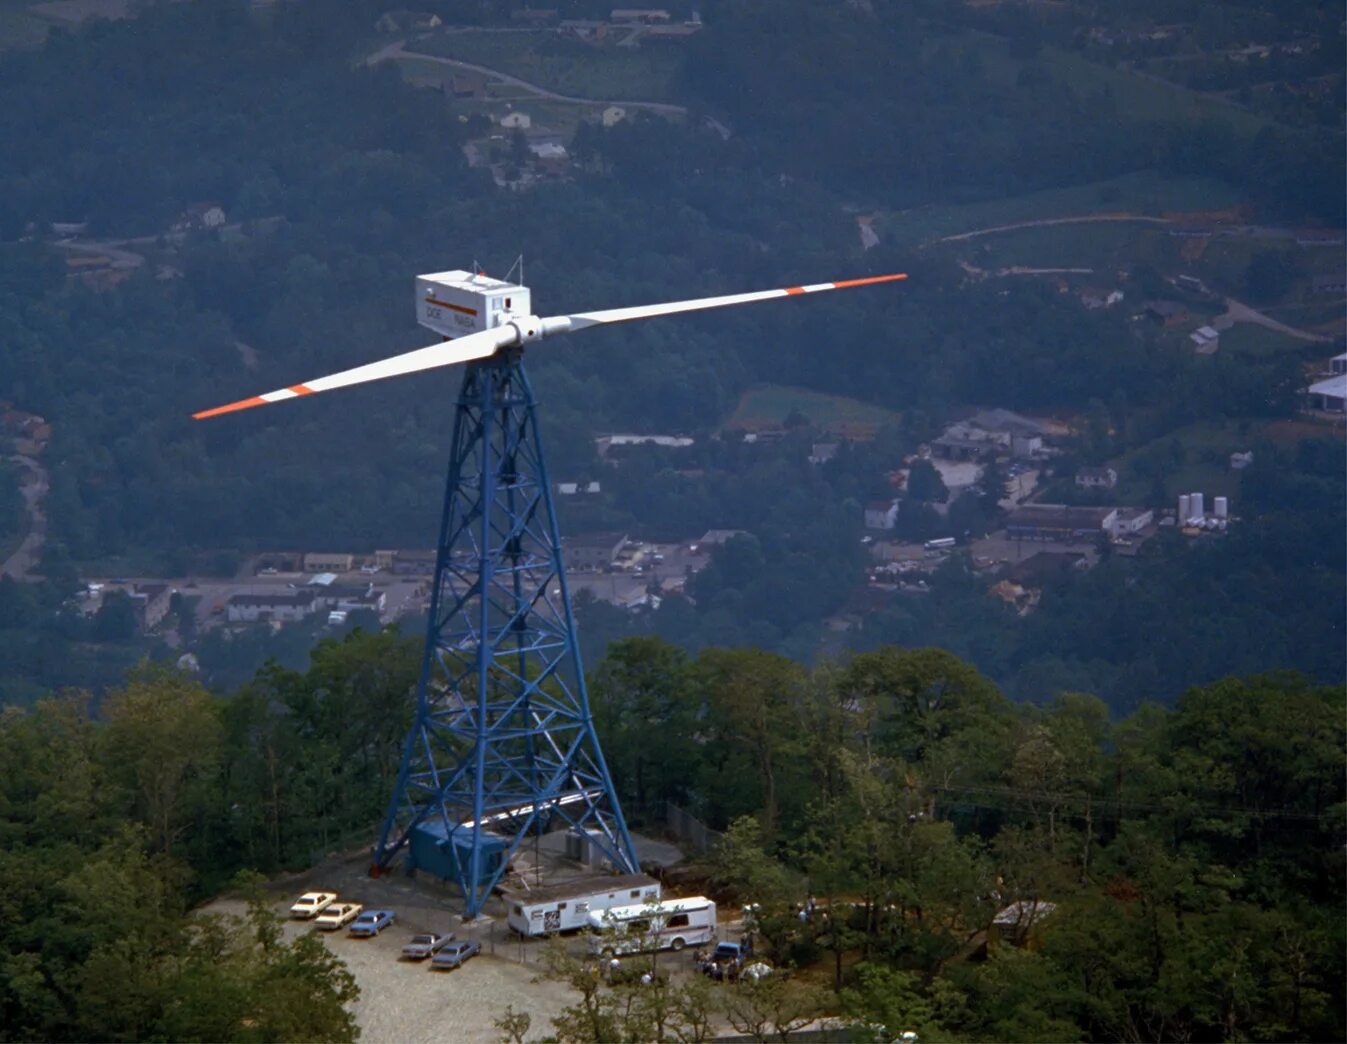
<point>503,743</point>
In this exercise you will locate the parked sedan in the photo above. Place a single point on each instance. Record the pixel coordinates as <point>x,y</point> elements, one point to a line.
<point>455,953</point>
<point>311,904</point>
<point>338,915</point>
<point>426,945</point>
<point>371,922</point>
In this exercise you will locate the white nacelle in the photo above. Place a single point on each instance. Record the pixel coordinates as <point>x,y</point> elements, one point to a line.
<point>457,303</point>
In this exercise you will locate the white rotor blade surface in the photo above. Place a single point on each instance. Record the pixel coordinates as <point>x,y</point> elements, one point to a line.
<point>464,349</point>
<point>581,320</point>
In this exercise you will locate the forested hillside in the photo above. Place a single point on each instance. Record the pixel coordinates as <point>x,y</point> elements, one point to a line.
<point>341,181</point>
<point>1188,860</point>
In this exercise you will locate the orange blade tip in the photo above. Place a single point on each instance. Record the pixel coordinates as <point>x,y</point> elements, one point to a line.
<point>870,280</point>
<point>242,404</point>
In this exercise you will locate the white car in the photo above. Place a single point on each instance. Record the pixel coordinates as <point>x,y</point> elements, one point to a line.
<point>311,904</point>
<point>338,915</point>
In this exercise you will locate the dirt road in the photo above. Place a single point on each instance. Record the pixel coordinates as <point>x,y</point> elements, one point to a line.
<point>397,50</point>
<point>1043,222</point>
<point>1236,312</point>
<point>21,564</point>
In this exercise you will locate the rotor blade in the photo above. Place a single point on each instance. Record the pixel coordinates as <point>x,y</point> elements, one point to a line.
<point>464,349</point>
<point>582,320</point>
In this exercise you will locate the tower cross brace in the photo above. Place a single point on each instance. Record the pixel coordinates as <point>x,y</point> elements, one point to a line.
<point>503,744</point>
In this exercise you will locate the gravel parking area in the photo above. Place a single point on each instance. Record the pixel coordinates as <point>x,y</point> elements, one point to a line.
<point>405,1001</point>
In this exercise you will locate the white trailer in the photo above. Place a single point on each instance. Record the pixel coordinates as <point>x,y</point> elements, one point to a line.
<point>566,907</point>
<point>669,925</point>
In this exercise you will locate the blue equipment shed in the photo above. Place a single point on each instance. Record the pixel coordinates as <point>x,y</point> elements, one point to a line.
<point>439,850</point>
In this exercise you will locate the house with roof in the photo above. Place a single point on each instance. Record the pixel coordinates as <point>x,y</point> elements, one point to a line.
<point>1018,923</point>
<point>516,120</point>
<point>407,21</point>
<point>585,28</point>
<point>200,216</point>
<point>717,537</point>
<point>822,452</point>
<point>150,603</point>
<point>591,552</point>
<point>1206,339</point>
<point>639,15</point>
<point>1095,297</point>
<point>881,514</point>
<point>1328,395</point>
<point>1059,522</point>
<point>275,607</point>
<point>1165,313</point>
<point>1096,478</point>
<point>578,489</point>
<point>465,83</point>
<point>613,115</point>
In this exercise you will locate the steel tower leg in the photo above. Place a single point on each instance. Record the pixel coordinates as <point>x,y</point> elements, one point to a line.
<point>503,742</point>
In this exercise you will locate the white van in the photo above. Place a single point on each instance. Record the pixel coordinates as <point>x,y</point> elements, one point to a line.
<point>563,908</point>
<point>668,925</point>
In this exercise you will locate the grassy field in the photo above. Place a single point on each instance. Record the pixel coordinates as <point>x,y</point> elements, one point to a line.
<point>1138,96</point>
<point>1206,449</point>
<point>1260,342</point>
<point>768,405</point>
<point>600,72</point>
<point>1205,467</point>
<point>18,28</point>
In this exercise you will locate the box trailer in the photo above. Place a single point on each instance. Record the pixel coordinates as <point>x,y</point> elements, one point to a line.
<point>566,907</point>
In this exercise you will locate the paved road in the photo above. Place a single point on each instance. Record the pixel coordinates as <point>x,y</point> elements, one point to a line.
<point>397,50</point>
<point>23,561</point>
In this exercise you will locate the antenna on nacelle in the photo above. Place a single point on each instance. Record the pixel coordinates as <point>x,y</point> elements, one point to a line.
<point>518,264</point>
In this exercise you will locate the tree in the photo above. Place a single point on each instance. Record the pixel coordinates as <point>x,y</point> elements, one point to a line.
<point>1270,275</point>
<point>163,743</point>
<point>753,701</point>
<point>924,483</point>
<point>773,1007</point>
<point>643,705</point>
<point>514,1025</point>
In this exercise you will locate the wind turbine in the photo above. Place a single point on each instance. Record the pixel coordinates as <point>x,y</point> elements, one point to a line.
<point>503,742</point>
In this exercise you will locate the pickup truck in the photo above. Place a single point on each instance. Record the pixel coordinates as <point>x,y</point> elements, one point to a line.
<point>338,915</point>
<point>726,961</point>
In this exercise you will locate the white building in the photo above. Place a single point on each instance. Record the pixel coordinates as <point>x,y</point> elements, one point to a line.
<point>1328,395</point>
<point>282,608</point>
<point>516,120</point>
<point>1127,521</point>
<point>548,150</point>
<point>1096,478</point>
<point>881,514</point>
<point>613,115</point>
